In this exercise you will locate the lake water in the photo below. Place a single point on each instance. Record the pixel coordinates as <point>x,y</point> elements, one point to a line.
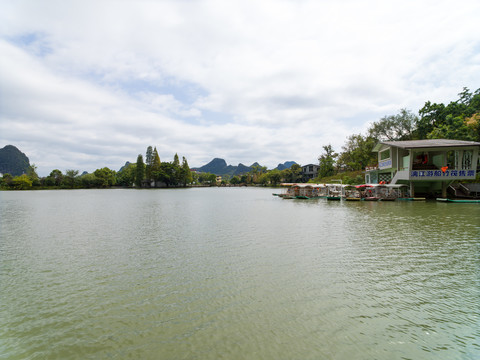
<point>236,273</point>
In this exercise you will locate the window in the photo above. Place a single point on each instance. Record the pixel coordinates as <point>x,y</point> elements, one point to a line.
<point>385,154</point>
<point>467,159</point>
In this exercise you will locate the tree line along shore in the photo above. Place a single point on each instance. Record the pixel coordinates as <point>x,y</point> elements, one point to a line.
<point>459,120</point>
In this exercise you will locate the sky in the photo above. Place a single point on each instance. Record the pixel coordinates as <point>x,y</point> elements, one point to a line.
<point>88,84</point>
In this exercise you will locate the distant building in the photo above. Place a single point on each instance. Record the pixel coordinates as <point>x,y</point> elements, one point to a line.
<point>219,179</point>
<point>309,172</point>
<point>428,166</point>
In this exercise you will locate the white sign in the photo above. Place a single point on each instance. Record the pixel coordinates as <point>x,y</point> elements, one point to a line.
<point>439,174</point>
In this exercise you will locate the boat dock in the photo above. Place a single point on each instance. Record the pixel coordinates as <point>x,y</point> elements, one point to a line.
<point>364,192</point>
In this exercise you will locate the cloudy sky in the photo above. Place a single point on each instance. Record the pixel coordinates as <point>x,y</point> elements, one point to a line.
<point>87,84</point>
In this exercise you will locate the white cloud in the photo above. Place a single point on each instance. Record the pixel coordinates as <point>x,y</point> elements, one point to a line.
<point>89,84</point>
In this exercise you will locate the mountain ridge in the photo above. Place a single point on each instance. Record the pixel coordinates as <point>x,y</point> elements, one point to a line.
<point>219,167</point>
<point>13,161</point>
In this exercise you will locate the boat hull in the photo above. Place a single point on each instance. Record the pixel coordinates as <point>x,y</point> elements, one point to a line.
<point>336,198</point>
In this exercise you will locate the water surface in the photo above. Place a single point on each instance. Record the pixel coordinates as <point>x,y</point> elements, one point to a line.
<point>235,273</point>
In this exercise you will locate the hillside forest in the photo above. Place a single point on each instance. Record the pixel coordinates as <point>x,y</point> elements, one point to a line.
<point>459,119</point>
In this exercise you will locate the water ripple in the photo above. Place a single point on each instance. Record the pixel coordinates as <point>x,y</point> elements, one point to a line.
<point>235,274</point>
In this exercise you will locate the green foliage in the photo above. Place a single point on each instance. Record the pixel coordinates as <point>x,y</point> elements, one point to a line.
<point>394,127</point>
<point>275,177</point>
<point>70,177</point>
<point>453,128</point>
<point>165,174</point>
<point>457,120</point>
<point>90,181</point>
<point>327,162</point>
<point>207,178</point>
<point>21,182</point>
<point>235,180</point>
<point>139,171</point>
<point>263,179</point>
<point>6,181</point>
<point>186,174</point>
<point>126,177</point>
<point>348,177</point>
<point>33,176</point>
<point>170,174</point>
<point>148,163</point>
<point>105,176</point>
<point>293,174</point>
<point>56,177</point>
<point>156,161</point>
<point>255,173</point>
<point>357,153</point>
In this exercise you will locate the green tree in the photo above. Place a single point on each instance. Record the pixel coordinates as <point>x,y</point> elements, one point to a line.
<point>293,174</point>
<point>357,153</point>
<point>327,162</point>
<point>246,178</point>
<point>156,161</point>
<point>275,177</point>
<point>457,119</point>
<point>186,174</point>
<point>106,177</point>
<point>139,171</point>
<point>235,180</point>
<point>453,128</point>
<point>263,179</point>
<point>394,127</point>
<point>176,161</point>
<point>32,175</point>
<point>178,172</point>
<point>22,182</point>
<point>7,180</point>
<point>148,163</point>
<point>126,177</point>
<point>194,177</point>
<point>90,181</point>
<point>48,181</point>
<point>255,173</point>
<point>207,178</point>
<point>166,174</point>
<point>56,176</point>
<point>70,177</point>
<point>431,115</point>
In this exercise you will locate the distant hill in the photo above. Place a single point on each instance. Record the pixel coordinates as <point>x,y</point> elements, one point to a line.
<point>219,167</point>
<point>216,166</point>
<point>124,166</point>
<point>13,161</point>
<point>285,165</point>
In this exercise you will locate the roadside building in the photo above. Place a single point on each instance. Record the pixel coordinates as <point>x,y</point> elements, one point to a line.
<point>427,166</point>
<point>309,172</point>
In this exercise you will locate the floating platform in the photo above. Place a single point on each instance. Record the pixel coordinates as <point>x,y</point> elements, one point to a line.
<point>459,200</point>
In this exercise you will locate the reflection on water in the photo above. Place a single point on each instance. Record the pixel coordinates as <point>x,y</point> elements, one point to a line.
<point>235,274</point>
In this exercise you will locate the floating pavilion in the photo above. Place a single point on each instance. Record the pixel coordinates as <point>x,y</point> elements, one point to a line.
<point>427,166</point>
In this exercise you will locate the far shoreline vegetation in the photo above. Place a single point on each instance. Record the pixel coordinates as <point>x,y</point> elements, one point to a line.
<point>459,120</point>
